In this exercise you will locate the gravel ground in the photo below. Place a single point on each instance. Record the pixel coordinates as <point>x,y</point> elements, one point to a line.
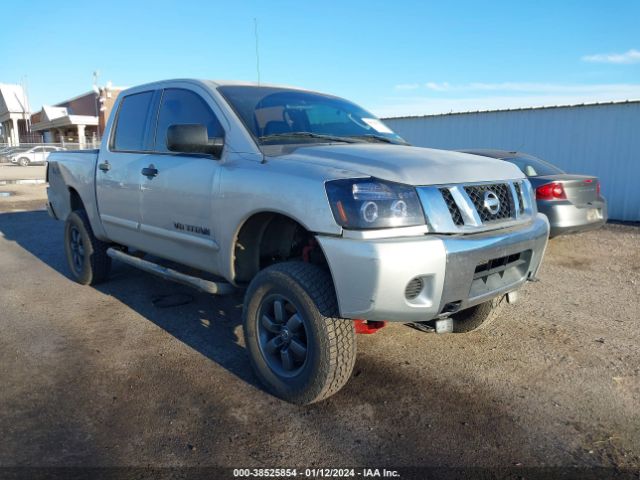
<point>104,377</point>
<point>9,171</point>
<point>23,195</point>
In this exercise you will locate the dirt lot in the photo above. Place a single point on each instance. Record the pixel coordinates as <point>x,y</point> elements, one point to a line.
<point>102,376</point>
<point>18,190</point>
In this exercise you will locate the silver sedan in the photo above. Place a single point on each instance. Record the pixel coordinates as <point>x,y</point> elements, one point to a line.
<point>572,203</point>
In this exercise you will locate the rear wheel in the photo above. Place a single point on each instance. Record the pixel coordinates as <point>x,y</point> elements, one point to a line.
<point>86,255</point>
<point>24,162</point>
<point>299,348</point>
<point>479,316</point>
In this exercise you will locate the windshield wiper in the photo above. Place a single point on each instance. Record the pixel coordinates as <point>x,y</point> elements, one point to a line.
<point>379,138</point>
<point>332,138</point>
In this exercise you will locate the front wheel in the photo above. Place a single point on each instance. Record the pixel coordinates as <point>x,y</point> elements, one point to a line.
<point>478,316</point>
<point>299,348</point>
<point>24,162</point>
<point>86,255</point>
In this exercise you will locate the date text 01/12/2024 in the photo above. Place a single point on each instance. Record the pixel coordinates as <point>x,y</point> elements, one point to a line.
<point>315,473</point>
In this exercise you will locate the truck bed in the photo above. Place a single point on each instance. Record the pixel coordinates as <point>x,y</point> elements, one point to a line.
<point>71,174</point>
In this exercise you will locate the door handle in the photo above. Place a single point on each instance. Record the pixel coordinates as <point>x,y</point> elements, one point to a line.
<point>150,171</point>
<point>105,166</point>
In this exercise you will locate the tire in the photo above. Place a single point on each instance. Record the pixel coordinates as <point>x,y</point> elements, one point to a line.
<point>304,291</point>
<point>86,255</point>
<point>24,162</point>
<point>478,317</point>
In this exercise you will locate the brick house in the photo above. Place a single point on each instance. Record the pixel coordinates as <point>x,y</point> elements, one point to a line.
<point>81,119</point>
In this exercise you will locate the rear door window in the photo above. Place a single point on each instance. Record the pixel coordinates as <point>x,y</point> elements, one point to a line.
<point>132,126</point>
<point>180,107</point>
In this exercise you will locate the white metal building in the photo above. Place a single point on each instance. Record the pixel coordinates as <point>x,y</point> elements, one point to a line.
<point>14,113</point>
<point>598,139</point>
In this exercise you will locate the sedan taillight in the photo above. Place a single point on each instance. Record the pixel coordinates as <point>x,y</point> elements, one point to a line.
<point>551,191</point>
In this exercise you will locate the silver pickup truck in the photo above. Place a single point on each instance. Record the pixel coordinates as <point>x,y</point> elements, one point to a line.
<point>329,221</point>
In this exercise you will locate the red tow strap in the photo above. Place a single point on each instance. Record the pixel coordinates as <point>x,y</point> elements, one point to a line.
<point>368,327</point>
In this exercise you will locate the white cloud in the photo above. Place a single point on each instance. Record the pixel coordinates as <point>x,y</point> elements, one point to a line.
<point>631,56</point>
<point>407,86</point>
<point>524,87</point>
<point>438,86</point>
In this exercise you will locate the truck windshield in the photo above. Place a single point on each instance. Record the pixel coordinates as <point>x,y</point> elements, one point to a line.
<point>277,116</point>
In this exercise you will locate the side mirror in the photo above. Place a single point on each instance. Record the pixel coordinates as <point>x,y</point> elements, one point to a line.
<point>193,138</point>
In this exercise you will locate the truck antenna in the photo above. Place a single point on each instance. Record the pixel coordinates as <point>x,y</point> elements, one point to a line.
<point>255,32</point>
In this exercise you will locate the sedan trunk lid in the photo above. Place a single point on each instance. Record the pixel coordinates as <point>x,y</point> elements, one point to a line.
<point>580,189</point>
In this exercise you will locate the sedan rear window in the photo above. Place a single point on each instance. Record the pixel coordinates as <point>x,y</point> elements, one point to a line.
<point>533,167</point>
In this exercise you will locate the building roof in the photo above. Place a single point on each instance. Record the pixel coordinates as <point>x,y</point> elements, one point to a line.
<point>578,105</point>
<point>110,88</point>
<point>53,116</point>
<point>13,99</point>
<point>90,92</point>
<point>50,113</point>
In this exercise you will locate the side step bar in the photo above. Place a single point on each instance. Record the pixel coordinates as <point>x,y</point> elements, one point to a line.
<point>215,288</point>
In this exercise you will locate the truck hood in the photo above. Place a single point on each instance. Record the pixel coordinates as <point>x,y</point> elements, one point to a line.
<point>405,164</point>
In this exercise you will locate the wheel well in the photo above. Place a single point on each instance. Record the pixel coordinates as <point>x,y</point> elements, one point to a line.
<point>267,238</point>
<point>75,202</point>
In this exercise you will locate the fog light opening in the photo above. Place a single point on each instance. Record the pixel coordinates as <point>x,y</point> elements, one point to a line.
<point>414,288</point>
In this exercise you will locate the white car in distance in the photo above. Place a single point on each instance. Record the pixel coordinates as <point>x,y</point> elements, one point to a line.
<point>35,155</point>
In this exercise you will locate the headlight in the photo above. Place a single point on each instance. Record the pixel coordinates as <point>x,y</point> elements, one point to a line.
<point>530,194</point>
<point>370,203</point>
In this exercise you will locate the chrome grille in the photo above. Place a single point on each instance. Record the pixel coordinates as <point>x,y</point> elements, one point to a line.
<point>463,208</point>
<point>502,191</point>
<point>452,206</point>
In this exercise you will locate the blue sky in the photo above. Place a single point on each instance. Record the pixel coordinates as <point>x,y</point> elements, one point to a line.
<point>392,57</point>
